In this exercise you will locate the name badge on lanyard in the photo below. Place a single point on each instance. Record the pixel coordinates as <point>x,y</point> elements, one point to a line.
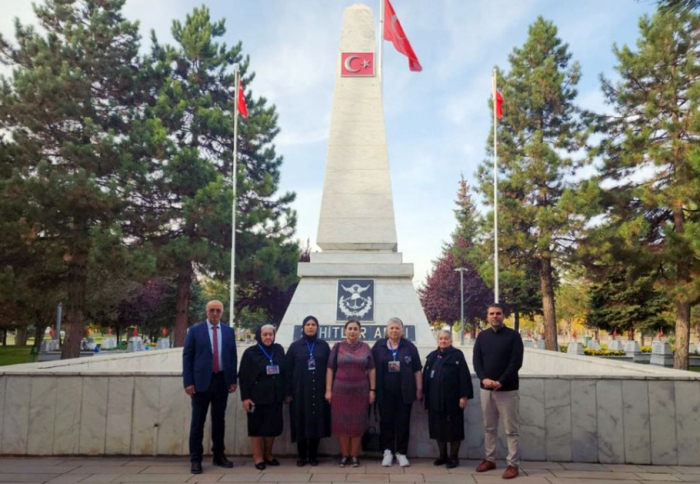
<point>270,369</point>
<point>394,364</point>
<point>311,362</point>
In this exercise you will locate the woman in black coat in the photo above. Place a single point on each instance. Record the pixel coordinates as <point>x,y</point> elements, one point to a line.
<point>447,386</point>
<point>399,384</point>
<point>305,377</point>
<point>261,381</point>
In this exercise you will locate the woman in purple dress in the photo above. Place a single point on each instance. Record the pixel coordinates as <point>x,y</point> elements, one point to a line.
<point>350,388</point>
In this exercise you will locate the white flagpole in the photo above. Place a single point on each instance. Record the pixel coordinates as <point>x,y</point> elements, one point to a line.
<point>380,48</point>
<point>233,204</point>
<point>495,189</point>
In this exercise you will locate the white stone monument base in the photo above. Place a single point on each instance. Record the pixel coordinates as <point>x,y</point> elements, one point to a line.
<point>575,348</point>
<point>394,296</point>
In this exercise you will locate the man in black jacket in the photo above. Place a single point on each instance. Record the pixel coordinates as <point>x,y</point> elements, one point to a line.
<point>498,355</point>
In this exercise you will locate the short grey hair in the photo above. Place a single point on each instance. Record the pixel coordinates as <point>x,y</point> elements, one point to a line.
<point>394,320</point>
<point>444,331</point>
<point>268,326</point>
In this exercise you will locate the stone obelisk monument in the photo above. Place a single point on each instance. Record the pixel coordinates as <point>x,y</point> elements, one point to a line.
<point>359,274</point>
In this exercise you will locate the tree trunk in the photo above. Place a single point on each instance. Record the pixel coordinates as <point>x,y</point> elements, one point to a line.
<point>4,337</point>
<point>516,321</point>
<point>182,305</point>
<point>77,279</point>
<point>21,336</point>
<point>548,315</point>
<point>680,359</point>
<point>39,330</point>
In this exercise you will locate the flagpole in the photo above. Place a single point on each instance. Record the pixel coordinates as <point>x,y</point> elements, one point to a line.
<point>495,187</point>
<point>380,48</point>
<point>233,203</point>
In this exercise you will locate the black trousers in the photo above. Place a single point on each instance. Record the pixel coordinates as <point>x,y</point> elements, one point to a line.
<point>308,448</point>
<point>217,396</point>
<point>394,423</point>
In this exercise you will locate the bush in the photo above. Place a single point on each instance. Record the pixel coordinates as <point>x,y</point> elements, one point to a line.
<point>563,348</point>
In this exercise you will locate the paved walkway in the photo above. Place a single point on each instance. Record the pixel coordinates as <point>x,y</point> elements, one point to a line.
<point>71,470</point>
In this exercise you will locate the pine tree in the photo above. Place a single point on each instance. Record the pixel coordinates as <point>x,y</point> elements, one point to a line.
<point>190,127</point>
<point>652,160</point>
<point>539,134</point>
<point>67,109</point>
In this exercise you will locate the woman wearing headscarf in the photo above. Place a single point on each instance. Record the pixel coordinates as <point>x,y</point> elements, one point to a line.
<point>350,388</point>
<point>261,382</point>
<point>399,384</point>
<point>305,377</point>
<point>447,386</point>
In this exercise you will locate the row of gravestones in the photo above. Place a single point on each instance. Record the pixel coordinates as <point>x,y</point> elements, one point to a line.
<point>136,343</point>
<point>661,353</point>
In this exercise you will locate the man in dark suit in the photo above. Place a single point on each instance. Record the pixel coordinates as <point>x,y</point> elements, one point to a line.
<point>209,372</point>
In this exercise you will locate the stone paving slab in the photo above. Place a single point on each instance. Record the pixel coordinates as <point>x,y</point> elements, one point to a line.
<point>102,470</point>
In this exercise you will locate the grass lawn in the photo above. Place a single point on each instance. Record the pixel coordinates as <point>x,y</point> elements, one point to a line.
<point>695,368</point>
<point>12,355</point>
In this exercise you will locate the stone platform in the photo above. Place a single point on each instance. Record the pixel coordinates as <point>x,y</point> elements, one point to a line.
<point>573,409</point>
<point>74,470</point>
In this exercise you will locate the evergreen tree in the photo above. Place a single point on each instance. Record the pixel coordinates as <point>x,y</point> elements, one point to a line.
<point>66,110</point>
<point>539,134</point>
<point>628,303</point>
<point>652,160</point>
<point>190,128</point>
<point>441,296</point>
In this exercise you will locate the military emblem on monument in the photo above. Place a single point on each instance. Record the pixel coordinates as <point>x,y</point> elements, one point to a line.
<point>355,299</point>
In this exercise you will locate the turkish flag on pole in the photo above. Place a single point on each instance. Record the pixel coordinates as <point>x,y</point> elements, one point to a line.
<point>242,108</point>
<point>393,32</point>
<point>499,104</point>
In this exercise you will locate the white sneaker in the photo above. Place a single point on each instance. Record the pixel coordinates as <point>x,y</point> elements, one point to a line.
<point>403,460</point>
<point>388,458</point>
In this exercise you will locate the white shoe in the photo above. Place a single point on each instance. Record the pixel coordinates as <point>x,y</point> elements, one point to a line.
<point>388,458</point>
<point>403,460</point>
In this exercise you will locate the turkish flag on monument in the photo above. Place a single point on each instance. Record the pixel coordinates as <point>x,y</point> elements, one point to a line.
<point>499,104</point>
<point>393,32</point>
<point>242,108</point>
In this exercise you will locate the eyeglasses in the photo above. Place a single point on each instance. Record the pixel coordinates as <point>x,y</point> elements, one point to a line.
<point>215,310</point>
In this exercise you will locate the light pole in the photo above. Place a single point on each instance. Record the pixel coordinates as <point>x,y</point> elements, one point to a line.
<point>461,301</point>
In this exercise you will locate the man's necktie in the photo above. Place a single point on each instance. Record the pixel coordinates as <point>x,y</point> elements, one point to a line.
<point>216,349</point>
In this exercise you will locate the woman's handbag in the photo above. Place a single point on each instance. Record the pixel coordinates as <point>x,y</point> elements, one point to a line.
<point>371,441</point>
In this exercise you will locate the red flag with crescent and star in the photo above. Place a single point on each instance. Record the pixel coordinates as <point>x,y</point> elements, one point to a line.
<point>240,99</point>
<point>393,32</point>
<point>356,64</point>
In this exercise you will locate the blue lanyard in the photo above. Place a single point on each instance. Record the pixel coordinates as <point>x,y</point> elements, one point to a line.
<point>311,349</point>
<point>268,355</point>
<point>394,352</point>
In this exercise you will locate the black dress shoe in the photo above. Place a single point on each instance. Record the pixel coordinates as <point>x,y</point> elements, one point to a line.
<point>196,468</point>
<point>452,463</point>
<point>260,466</point>
<point>222,461</point>
<point>313,462</point>
<point>272,462</point>
<point>440,461</point>
<point>301,462</point>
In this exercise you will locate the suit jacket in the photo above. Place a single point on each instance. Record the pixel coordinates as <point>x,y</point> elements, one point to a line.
<point>198,359</point>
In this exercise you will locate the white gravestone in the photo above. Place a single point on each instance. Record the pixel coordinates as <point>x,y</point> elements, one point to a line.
<point>616,345</point>
<point>575,348</point>
<point>661,354</point>
<point>163,344</point>
<point>135,344</point>
<point>109,343</point>
<point>540,344</point>
<point>593,345</point>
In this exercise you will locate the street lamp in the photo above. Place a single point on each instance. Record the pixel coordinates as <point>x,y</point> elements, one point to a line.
<point>461,305</point>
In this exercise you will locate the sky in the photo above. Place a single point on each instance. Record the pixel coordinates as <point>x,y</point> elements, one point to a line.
<point>437,121</point>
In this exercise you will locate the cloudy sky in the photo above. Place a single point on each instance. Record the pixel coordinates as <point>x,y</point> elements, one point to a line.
<point>437,121</point>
